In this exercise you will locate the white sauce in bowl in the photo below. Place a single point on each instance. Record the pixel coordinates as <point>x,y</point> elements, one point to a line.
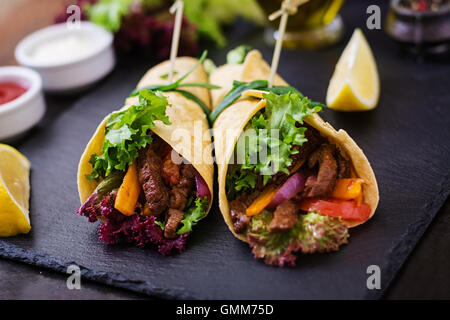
<point>63,49</point>
<point>68,58</point>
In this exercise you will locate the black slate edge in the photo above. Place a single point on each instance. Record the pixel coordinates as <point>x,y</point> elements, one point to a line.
<point>31,257</point>
<point>402,249</point>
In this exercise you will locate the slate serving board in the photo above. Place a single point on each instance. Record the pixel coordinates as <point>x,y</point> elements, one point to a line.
<point>407,140</point>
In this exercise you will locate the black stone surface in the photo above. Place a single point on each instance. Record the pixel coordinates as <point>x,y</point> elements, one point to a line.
<point>406,139</point>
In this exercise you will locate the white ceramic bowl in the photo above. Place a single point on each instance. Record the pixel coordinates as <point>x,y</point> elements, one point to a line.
<point>22,113</point>
<point>73,73</point>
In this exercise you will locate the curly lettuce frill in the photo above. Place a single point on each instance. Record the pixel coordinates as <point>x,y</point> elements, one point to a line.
<point>312,233</point>
<point>135,229</point>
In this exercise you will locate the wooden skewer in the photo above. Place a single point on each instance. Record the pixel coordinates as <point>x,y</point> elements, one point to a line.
<point>287,7</point>
<point>291,8</point>
<point>176,8</point>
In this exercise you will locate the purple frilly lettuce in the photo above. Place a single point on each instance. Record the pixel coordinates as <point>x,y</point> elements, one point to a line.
<point>135,229</point>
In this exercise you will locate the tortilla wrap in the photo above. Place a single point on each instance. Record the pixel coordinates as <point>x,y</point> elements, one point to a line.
<point>232,121</point>
<point>188,132</point>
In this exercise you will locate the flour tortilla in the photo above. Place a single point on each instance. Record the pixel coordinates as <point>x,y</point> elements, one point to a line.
<point>188,134</point>
<point>232,121</point>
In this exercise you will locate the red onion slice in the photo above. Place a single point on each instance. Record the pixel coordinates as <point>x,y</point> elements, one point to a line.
<point>202,187</point>
<point>290,188</point>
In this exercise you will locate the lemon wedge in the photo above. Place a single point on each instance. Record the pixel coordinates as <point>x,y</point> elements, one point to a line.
<point>14,192</point>
<point>355,85</point>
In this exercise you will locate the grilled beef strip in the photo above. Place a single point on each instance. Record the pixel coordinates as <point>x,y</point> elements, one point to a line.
<point>185,187</point>
<point>166,186</point>
<point>285,217</point>
<point>238,217</point>
<point>343,166</point>
<point>174,217</point>
<point>149,173</point>
<point>238,208</point>
<point>327,174</point>
<point>170,171</point>
<point>304,151</point>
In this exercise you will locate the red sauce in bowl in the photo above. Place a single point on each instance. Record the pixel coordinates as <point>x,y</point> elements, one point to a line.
<point>10,91</point>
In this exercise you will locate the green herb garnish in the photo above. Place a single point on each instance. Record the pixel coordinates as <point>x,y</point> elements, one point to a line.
<point>193,97</point>
<point>234,94</point>
<point>166,75</point>
<point>174,87</point>
<point>240,87</point>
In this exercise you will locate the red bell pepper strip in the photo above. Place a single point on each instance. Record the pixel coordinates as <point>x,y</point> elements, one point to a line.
<point>346,209</point>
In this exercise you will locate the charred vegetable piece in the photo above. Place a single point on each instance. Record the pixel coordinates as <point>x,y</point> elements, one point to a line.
<point>89,208</point>
<point>111,182</point>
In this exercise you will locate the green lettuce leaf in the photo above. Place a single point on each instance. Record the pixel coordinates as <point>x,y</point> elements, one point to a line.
<point>283,113</point>
<point>312,233</point>
<point>195,212</point>
<point>160,224</point>
<point>126,132</point>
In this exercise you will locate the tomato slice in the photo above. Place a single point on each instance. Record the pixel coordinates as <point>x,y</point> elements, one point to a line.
<point>346,209</point>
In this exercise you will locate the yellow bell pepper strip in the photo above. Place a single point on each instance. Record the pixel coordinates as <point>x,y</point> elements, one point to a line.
<point>348,189</point>
<point>129,191</point>
<point>359,199</point>
<point>262,201</point>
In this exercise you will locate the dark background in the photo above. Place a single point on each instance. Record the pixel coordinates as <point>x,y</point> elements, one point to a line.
<point>424,275</point>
